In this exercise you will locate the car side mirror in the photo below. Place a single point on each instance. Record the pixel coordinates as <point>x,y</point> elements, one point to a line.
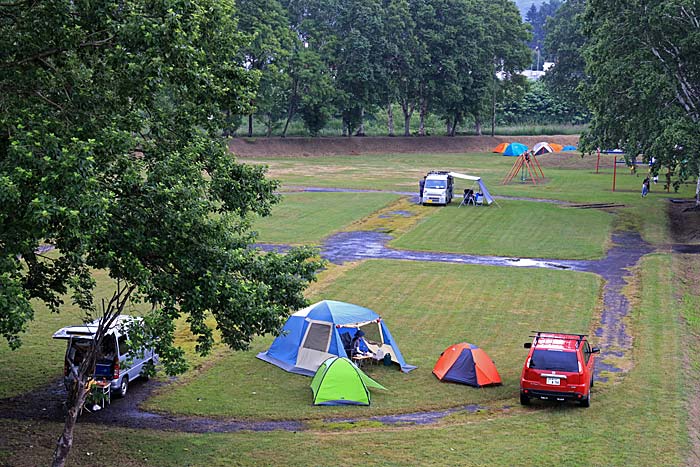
<point>527,345</point>
<point>595,350</point>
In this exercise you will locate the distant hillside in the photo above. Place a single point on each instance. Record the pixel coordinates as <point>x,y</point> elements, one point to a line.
<point>524,5</point>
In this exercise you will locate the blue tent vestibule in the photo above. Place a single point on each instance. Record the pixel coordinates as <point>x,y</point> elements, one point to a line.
<point>322,330</point>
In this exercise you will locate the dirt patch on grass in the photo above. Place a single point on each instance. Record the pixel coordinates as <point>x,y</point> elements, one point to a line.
<point>684,222</point>
<point>254,147</point>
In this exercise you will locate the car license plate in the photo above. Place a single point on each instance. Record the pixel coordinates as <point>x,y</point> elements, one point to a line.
<point>428,200</point>
<point>553,381</point>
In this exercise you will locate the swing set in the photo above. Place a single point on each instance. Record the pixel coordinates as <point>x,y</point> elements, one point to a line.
<point>529,168</point>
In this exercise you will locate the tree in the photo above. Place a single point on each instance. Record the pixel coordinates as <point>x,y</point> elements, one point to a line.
<point>270,42</point>
<point>356,60</point>
<point>565,41</point>
<point>399,57</point>
<point>506,54</point>
<point>537,18</point>
<point>109,152</point>
<point>644,88</point>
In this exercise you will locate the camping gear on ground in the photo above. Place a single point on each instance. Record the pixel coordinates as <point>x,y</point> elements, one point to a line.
<point>338,381</point>
<point>515,149</point>
<point>500,148</point>
<point>484,195</point>
<point>569,148</point>
<point>542,148</point>
<point>466,364</point>
<point>326,329</point>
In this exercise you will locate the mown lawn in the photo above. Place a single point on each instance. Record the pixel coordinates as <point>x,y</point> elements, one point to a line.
<point>639,422</point>
<point>427,307</point>
<point>308,217</point>
<point>401,172</point>
<point>517,228</point>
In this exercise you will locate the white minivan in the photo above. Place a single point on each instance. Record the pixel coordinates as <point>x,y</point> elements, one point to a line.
<point>114,363</point>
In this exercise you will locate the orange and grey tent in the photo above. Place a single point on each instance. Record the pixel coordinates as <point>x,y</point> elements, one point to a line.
<point>466,364</point>
<point>556,147</point>
<point>501,148</point>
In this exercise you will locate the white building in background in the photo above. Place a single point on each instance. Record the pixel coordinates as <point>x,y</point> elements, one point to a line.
<point>532,75</point>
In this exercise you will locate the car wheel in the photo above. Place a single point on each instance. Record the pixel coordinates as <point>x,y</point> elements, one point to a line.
<point>524,400</point>
<point>123,387</point>
<point>586,401</point>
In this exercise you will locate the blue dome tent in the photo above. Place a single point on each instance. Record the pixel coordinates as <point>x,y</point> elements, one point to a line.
<point>324,329</point>
<point>515,149</point>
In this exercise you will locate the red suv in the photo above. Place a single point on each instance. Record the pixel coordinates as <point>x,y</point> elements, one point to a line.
<point>559,367</point>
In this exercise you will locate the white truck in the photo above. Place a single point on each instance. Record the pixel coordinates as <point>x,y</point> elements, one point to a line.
<point>438,188</point>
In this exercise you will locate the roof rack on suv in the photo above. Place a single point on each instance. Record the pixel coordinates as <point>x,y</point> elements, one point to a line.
<point>558,335</point>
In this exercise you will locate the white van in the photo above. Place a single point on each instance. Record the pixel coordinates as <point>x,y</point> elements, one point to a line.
<point>438,188</point>
<point>114,364</point>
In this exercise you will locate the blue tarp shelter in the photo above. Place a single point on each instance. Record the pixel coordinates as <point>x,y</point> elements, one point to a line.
<point>569,148</point>
<point>324,329</point>
<point>488,199</point>
<point>515,149</point>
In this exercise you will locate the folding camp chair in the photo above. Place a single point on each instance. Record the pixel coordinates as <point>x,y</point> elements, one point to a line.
<point>467,198</point>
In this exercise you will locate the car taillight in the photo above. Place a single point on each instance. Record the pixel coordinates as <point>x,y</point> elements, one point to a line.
<point>580,368</point>
<point>116,369</point>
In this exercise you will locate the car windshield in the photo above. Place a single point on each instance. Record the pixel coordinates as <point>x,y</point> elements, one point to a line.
<point>435,184</point>
<point>554,361</point>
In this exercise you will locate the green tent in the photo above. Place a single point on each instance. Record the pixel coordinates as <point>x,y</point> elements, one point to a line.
<point>339,382</point>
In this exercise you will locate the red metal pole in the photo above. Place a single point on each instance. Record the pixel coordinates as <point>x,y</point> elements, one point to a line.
<point>597,164</point>
<point>614,173</point>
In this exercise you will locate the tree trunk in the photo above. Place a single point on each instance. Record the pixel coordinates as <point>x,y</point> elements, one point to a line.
<point>697,193</point>
<point>448,127</point>
<point>423,114</point>
<point>493,101</point>
<point>75,401</point>
<point>290,114</point>
<point>390,119</point>
<point>407,113</point>
<point>269,125</point>
<point>250,126</point>
<point>361,128</point>
<point>227,131</point>
<point>291,110</point>
<point>477,125</point>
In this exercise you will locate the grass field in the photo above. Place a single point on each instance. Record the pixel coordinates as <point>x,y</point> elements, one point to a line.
<point>518,228</point>
<point>309,217</point>
<point>640,419</point>
<point>468,308</point>
<point>639,422</point>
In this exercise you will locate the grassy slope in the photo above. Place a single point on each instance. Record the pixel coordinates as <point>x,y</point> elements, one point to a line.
<point>519,228</point>
<point>309,217</point>
<point>494,308</point>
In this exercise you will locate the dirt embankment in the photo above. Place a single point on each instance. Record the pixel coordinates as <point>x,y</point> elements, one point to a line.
<point>298,146</point>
